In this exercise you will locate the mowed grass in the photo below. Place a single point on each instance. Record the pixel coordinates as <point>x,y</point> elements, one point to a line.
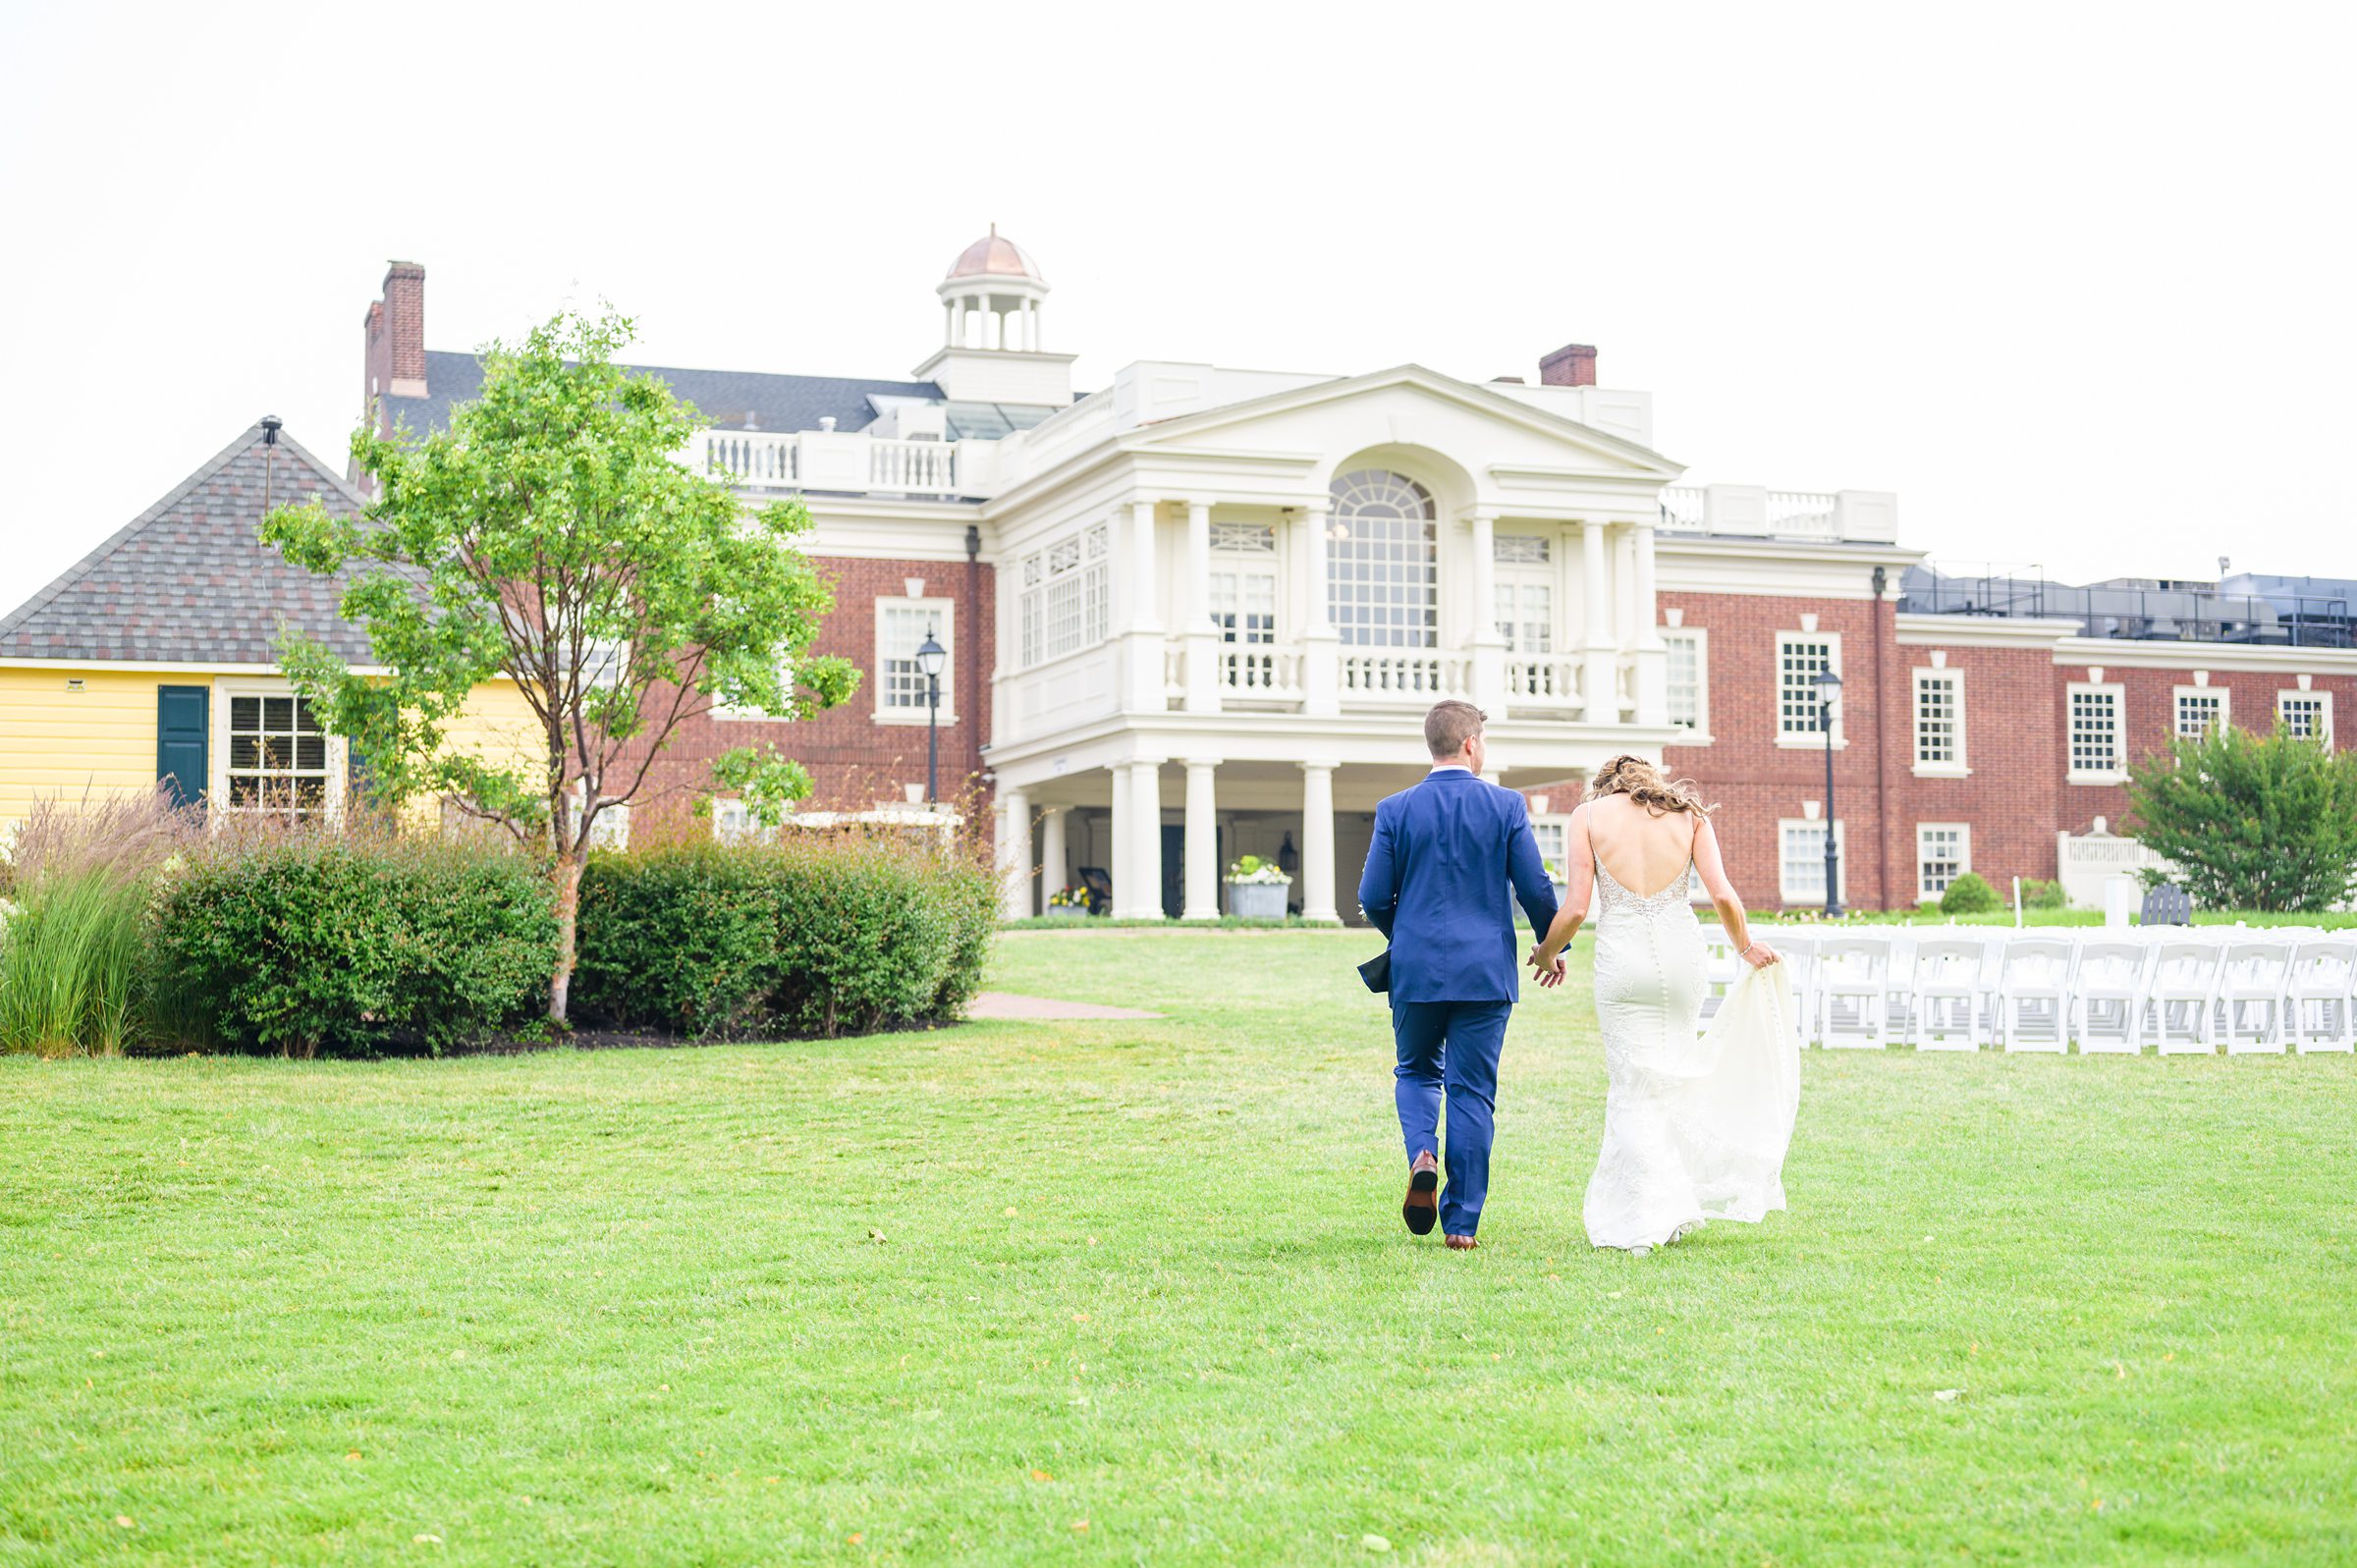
<point>1139,1291</point>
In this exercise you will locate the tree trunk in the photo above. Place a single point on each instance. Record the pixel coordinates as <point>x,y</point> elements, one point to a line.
<point>569,908</point>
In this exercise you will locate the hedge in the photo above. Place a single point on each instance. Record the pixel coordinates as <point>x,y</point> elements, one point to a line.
<point>321,945</point>
<point>811,936</point>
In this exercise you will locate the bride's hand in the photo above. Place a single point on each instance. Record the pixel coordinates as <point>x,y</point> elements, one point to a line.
<point>1760,955</point>
<point>1550,970</point>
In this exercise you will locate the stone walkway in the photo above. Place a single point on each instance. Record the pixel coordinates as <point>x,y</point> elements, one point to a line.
<point>1005,1004</point>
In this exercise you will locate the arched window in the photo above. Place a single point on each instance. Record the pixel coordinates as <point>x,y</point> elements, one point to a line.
<point>1382,562</point>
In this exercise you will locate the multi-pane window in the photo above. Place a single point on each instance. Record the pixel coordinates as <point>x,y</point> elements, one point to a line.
<point>605,663</point>
<point>1550,836</point>
<point>1063,596</point>
<point>1939,720</point>
<point>1800,866</point>
<point>1799,659</point>
<point>277,755</point>
<point>1522,550</point>
<point>1685,678</point>
<point>1527,614</point>
<point>2199,710</point>
<point>901,627</point>
<point>1943,853</point>
<point>2306,714</point>
<point>1244,604</point>
<point>1382,562</point>
<point>1243,538</point>
<point>2095,725</point>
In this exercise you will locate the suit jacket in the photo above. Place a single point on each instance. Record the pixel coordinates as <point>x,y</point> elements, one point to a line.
<point>1438,872</point>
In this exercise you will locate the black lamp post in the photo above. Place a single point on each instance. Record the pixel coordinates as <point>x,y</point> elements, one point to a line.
<point>931,656</point>
<point>1829,690</point>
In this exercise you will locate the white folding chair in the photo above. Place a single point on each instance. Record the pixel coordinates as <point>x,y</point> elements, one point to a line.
<point>1899,987</point>
<point>1853,980</point>
<point>2107,994</point>
<point>2252,973</point>
<point>1947,994</point>
<point>1799,951</point>
<point>1722,967</point>
<point>2181,992</point>
<point>2033,993</point>
<point>2319,1000</point>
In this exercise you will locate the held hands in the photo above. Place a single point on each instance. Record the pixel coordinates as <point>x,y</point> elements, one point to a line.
<point>1550,971</point>
<point>1760,955</point>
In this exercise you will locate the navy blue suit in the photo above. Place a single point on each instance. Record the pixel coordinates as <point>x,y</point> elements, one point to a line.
<point>1445,854</point>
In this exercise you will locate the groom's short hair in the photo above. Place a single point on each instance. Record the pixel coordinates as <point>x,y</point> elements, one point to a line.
<point>1449,724</point>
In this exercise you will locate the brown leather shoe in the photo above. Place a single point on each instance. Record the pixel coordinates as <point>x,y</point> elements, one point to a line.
<point>1461,1243</point>
<point>1422,1209</point>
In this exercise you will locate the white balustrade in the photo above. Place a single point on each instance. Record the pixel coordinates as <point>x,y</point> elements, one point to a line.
<point>777,459</point>
<point>1262,672</point>
<point>1801,515</point>
<point>914,468</point>
<point>1542,680</point>
<point>1683,508</point>
<point>749,457</point>
<point>1404,676</point>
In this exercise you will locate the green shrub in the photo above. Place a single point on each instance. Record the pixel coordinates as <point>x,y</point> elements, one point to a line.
<point>2040,894</point>
<point>1969,895</point>
<point>2249,822</point>
<point>819,935</point>
<point>312,945</point>
<point>72,964</point>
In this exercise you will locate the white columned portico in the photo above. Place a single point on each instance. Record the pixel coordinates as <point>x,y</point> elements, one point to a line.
<point>1145,687</point>
<point>1321,644</point>
<point>1651,683</point>
<point>1598,648</point>
<point>1202,901</point>
<point>1121,831</point>
<point>1489,647</point>
<point>1055,864</point>
<point>1144,901</point>
<point>1317,843</point>
<point>1201,643</point>
<point>1014,853</point>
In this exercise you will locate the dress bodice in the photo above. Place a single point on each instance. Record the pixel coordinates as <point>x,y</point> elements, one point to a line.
<point>1613,896</point>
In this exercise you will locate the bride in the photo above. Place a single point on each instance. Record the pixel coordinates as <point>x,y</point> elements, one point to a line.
<point>1695,1124</point>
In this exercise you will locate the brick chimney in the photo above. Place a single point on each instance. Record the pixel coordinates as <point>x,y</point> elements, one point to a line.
<point>1571,365</point>
<point>395,331</point>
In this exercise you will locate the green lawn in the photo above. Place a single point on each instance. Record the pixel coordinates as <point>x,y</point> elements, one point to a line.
<point>1140,1292</point>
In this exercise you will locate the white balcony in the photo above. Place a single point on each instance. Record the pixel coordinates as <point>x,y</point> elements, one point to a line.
<point>1863,517</point>
<point>853,461</point>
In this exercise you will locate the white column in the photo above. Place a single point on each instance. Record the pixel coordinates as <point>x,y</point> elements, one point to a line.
<point>1055,864</point>
<point>1200,642</point>
<point>1489,648</point>
<point>1117,853</point>
<point>949,322</point>
<point>1321,644</point>
<point>1597,651</point>
<point>1031,325</point>
<point>1145,687</point>
<point>1317,842</point>
<point>1202,897</point>
<point>1145,843</point>
<point>1014,852</point>
<point>1652,681</point>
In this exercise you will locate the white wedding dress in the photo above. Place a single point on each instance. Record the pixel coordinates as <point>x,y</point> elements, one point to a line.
<point>1695,1123</point>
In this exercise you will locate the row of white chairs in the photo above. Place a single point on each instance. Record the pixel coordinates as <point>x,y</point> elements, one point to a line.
<point>1963,987</point>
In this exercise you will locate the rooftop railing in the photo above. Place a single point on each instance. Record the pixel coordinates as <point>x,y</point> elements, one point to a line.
<point>2151,615</point>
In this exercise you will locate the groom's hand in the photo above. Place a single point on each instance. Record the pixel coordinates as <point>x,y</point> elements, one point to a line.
<point>1550,972</point>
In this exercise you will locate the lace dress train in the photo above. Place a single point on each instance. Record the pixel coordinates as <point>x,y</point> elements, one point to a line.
<point>1696,1122</point>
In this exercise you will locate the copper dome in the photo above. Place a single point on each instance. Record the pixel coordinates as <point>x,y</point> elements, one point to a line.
<point>994,256</point>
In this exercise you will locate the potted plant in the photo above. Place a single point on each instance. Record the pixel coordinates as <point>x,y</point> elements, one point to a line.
<point>1068,904</point>
<point>1257,889</point>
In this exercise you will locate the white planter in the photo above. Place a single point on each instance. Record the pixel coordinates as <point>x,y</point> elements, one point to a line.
<point>1068,911</point>
<point>1258,900</point>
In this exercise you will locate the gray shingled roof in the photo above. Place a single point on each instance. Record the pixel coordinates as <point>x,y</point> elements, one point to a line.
<point>726,396</point>
<point>189,581</point>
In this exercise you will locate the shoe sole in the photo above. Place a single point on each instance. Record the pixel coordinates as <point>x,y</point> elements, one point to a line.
<point>1421,1216</point>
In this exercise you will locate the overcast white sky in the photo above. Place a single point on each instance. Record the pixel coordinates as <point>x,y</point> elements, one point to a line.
<point>2074,279</point>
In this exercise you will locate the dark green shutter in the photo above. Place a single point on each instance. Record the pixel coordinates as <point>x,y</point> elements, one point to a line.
<point>182,723</point>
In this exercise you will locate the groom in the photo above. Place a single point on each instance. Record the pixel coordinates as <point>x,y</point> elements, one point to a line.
<point>1443,855</point>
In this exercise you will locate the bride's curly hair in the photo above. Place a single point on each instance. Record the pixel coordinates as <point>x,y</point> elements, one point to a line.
<point>1643,783</point>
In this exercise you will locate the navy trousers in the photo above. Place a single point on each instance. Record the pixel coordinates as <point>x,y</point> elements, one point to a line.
<point>1451,1047</point>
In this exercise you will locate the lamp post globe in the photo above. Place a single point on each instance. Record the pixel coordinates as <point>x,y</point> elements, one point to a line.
<point>931,659</point>
<point>1829,692</point>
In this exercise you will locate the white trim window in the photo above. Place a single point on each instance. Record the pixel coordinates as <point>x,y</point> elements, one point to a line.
<point>1383,570</point>
<point>272,753</point>
<point>1524,583</point>
<point>1689,662</point>
<point>1940,723</point>
<point>732,822</point>
<point>1063,596</point>
<point>902,626</point>
<point>2198,710</point>
<point>2095,744</point>
<point>1552,834</point>
<point>1800,860</point>
<point>611,830</point>
<point>1800,657</point>
<point>2306,714</point>
<point>1943,853</point>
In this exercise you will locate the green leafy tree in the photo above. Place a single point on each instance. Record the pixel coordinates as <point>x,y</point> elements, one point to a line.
<point>2250,822</point>
<point>551,536</point>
